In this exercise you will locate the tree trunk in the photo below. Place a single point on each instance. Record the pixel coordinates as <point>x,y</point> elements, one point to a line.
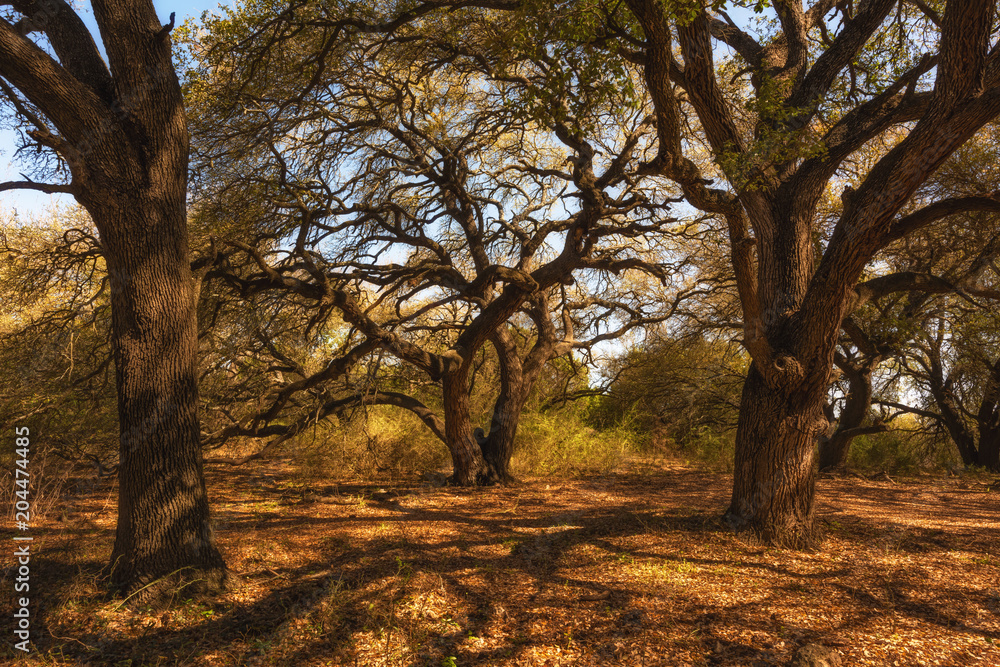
<point>498,445</point>
<point>469,468</point>
<point>951,416</point>
<point>833,451</point>
<point>989,449</point>
<point>775,474</point>
<point>988,420</point>
<point>164,527</point>
<point>118,123</point>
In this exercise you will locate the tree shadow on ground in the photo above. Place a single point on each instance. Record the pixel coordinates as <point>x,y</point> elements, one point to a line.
<point>606,570</point>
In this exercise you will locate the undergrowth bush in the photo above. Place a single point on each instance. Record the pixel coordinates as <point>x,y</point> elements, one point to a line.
<point>47,476</point>
<point>379,440</point>
<point>713,448</point>
<point>561,442</point>
<point>393,441</point>
<point>679,395</point>
<point>901,451</point>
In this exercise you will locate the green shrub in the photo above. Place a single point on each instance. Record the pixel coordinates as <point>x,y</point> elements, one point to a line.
<point>679,395</point>
<point>560,442</point>
<point>712,447</point>
<point>381,439</point>
<point>896,451</point>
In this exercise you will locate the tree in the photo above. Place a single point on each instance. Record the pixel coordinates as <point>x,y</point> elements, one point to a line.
<point>960,368</point>
<point>857,359</point>
<point>780,128</point>
<point>952,355</point>
<point>422,205</point>
<point>942,275</point>
<point>586,322</point>
<point>118,129</point>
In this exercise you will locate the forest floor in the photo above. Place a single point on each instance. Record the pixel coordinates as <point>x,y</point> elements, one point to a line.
<point>620,569</point>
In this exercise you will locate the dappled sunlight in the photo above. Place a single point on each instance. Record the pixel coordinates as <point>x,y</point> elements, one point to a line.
<point>628,567</point>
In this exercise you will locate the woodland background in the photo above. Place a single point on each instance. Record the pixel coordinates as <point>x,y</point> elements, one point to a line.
<point>474,316</point>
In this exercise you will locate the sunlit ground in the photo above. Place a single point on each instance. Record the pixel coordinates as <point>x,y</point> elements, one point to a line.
<point>625,569</point>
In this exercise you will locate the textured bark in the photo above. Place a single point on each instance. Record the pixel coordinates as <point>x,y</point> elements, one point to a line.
<point>833,450</point>
<point>978,443</point>
<point>517,378</point>
<point>988,421</point>
<point>775,471</point>
<point>989,450</point>
<point>122,132</point>
<point>793,308</point>
<point>164,524</point>
<point>951,415</point>
<point>498,445</point>
<point>781,408</point>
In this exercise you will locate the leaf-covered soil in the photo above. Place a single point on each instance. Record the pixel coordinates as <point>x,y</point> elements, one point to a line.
<point>620,569</point>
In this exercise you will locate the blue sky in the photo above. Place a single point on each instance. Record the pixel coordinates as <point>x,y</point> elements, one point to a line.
<point>29,203</point>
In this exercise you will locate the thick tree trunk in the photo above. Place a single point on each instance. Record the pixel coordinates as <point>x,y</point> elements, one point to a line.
<point>988,419</point>
<point>469,468</point>
<point>119,124</point>
<point>775,474</point>
<point>833,450</point>
<point>498,445</point>
<point>164,527</point>
<point>517,378</point>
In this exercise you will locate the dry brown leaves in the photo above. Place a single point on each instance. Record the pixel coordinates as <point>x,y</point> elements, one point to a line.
<point>626,569</point>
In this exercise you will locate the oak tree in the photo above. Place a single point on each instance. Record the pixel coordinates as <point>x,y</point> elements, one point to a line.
<point>942,275</point>
<point>831,79</point>
<point>117,130</point>
<point>410,193</point>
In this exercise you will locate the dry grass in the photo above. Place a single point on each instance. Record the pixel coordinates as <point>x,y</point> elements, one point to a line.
<point>626,569</point>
